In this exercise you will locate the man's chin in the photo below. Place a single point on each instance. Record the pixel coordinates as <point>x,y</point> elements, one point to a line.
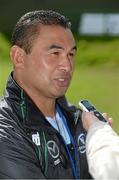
<point>60,92</point>
<point>60,95</point>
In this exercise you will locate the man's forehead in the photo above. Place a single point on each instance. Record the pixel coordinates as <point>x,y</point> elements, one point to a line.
<point>57,37</point>
<point>54,28</point>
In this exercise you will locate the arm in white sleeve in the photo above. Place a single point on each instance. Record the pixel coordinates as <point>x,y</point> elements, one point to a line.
<point>102,148</point>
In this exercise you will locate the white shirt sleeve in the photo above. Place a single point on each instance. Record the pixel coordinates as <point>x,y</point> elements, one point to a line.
<point>102,148</point>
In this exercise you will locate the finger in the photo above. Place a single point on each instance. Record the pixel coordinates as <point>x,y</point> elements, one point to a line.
<point>110,120</point>
<point>105,116</point>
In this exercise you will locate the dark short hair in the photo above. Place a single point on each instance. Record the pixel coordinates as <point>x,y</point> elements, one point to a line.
<point>26,29</point>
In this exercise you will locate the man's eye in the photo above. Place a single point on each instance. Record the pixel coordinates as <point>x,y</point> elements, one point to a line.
<point>71,54</point>
<point>56,53</point>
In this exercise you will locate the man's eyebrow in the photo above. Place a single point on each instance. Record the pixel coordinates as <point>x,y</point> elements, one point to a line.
<point>60,47</point>
<point>55,47</point>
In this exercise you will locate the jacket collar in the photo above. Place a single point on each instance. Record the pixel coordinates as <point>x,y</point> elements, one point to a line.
<point>33,117</point>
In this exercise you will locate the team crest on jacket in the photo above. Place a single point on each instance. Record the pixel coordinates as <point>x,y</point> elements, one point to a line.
<point>81,143</point>
<point>53,150</point>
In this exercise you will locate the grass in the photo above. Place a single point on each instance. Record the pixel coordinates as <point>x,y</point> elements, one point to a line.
<point>100,86</point>
<point>97,52</point>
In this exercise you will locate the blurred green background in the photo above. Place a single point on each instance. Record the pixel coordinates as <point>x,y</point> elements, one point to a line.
<point>96,76</point>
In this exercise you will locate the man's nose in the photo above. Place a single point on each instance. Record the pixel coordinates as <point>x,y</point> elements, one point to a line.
<point>66,64</point>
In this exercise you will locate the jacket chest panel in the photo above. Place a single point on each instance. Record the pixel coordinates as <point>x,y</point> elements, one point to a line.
<point>52,154</point>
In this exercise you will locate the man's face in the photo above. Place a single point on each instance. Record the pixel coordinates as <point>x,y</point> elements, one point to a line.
<point>49,67</point>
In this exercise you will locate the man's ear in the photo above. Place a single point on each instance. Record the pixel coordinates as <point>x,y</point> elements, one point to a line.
<point>17,56</point>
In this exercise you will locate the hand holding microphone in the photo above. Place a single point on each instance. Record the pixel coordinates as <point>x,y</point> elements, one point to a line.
<point>91,115</point>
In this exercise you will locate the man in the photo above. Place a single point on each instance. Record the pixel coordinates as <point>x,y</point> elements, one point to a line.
<point>41,135</point>
<point>102,147</point>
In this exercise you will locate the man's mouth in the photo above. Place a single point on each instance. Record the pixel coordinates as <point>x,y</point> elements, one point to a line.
<point>63,81</point>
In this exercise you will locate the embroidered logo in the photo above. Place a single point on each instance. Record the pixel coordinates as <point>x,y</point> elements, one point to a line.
<point>81,143</point>
<point>53,149</point>
<point>36,139</point>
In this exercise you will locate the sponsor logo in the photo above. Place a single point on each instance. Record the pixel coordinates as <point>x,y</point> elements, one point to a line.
<point>53,149</point>
<point>36,139</point>
<point>81,143</point>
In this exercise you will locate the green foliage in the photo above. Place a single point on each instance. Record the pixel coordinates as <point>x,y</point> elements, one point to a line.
<point>5,65</point>
<point>5,69</point>
<point>98,52</point>
<point>4,48</point>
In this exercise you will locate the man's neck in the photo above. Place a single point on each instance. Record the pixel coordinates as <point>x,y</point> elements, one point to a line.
<point>44,104</point>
